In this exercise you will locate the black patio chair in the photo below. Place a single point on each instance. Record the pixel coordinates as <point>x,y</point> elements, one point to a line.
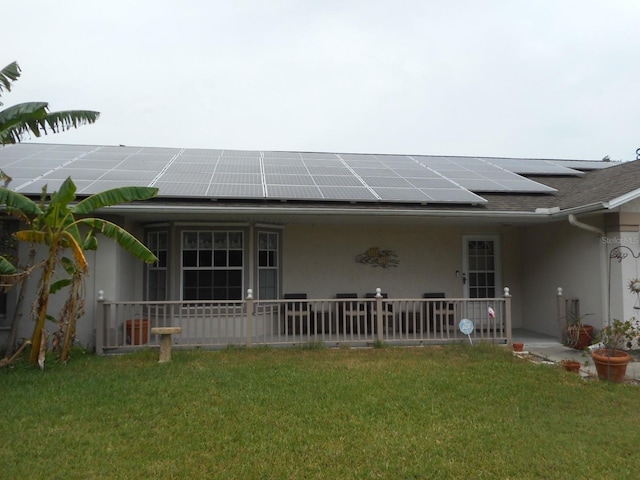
<point>439,314</point>
<point>297,314</point>
<point>351,314</point>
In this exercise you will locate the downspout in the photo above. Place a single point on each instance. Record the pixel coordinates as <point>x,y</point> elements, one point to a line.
<point>590,228</point>
<point>604,268</point>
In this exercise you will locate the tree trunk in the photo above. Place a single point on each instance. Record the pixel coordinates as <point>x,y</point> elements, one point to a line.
<point>43,303</point>
<point>17,314</point>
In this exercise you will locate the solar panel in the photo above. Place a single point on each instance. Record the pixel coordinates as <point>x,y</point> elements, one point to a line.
<point>239,178</point>
<point>387,182</point>
<point>584,164</point>
<point>469,171</point>
<point>193,168</point>
<point>285,170</point>
<point>293,192</point>
<point>280,175</point>
<point>232,168</point>
<point>288,180</point>
<point>329,170</point>
<point>182,189</point>
<point>453,195</point>
<point>234,190</point>
<point>531,166</point>
<point>337,180</point>
<point>401,194</point>
<point>354,194</point>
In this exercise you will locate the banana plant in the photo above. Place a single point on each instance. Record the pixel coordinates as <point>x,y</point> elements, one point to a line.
<point>62,226</point>
<point>34,117</point>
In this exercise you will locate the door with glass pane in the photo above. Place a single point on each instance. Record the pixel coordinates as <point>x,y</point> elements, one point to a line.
<point>481,276</point>
<point>481,266</point>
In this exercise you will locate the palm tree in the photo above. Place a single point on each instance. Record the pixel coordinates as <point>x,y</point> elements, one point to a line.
<point>34,117</point>
<point>62,225</point>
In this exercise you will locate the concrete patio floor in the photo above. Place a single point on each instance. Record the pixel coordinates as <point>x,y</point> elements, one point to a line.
<point>550,349</point>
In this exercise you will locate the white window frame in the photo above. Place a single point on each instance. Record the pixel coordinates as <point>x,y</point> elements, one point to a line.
<point>228,248</point>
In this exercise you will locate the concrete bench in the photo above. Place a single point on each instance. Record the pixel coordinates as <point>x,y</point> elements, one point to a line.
<point>165,341</point>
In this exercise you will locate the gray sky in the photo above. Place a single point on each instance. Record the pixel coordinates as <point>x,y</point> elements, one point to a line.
<point>521,78</point>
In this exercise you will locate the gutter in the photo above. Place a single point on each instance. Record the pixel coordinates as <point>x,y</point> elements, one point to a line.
<point>319,211</point>
<point>553,213</point>
<point>627,197</point>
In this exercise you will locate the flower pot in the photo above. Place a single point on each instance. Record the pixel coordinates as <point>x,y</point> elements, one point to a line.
<point>579,336</point>
<point>611,364</point>
<point>137,331</point>
<point>571,366</point>
<point>518,346</point>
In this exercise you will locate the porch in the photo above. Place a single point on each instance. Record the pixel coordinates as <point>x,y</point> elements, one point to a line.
<point>335,322</point>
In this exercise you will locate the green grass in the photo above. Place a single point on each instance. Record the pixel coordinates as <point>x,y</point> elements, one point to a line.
<point>395,413</point>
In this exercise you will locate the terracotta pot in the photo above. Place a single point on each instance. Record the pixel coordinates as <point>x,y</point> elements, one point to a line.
<point>518,346</point>
<point>137,331</point>
<point>571,366</point>
<point>579,338</point>
<point>611,364</point>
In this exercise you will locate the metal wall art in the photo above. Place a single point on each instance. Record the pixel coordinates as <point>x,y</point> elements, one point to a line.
<point>376,257</point>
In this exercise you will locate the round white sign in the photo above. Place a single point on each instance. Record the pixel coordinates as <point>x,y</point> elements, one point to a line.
<point>466,326</point>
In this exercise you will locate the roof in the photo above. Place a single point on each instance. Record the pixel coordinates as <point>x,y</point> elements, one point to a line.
<point>324,179</point>
<point>596,187</point>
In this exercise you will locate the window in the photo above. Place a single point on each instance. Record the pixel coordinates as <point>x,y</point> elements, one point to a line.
<point>157,273</point>
<point>212,265</point>
<point>267,265</point>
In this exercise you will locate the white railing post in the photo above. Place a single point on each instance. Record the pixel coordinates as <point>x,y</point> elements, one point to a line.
<point>100,323</point>
<point>507,314</point>
<point>249,314</point>
<point>379,315</point>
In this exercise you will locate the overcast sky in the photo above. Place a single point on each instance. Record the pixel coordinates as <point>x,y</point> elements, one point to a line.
<point>508,78</point>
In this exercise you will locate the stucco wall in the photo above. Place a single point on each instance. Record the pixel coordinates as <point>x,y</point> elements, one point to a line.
<point>111,269</point>
<point>560,255</point>
<point>320,261</point>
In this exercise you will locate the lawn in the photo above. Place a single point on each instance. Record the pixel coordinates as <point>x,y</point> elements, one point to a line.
<point>395,413</point>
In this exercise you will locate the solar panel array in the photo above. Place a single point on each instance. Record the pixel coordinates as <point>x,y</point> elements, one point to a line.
<point>218,174</point>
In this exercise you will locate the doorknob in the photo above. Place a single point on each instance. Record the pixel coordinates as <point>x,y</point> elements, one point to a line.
<point>464,278</point>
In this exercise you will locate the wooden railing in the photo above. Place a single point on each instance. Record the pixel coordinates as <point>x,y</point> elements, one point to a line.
<point>126,325</point>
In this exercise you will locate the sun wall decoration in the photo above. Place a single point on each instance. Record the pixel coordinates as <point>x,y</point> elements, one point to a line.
<point>377,257</point>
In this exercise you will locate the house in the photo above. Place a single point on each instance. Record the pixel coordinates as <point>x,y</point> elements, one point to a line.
<point>310,226</point>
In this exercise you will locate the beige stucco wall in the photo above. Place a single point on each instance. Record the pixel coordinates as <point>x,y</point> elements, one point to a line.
<point>111,269</point>
<point>623,231</point>
<point>320,260</point>
<point>560,255</point>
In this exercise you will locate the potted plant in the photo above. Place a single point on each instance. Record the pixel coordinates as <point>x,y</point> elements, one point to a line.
<point>609,358</point>
<point>579,334</point>
<point>571,365</point>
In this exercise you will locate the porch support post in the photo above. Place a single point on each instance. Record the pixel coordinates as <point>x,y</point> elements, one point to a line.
<point>100,323</point>
<point>562,314</point>
<point>379,314</point>
<point>249,317</point>
<point>507,315</point>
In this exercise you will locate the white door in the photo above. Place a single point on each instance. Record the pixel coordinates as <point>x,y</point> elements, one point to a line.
<point>481,266</point>
<point>482,280</point>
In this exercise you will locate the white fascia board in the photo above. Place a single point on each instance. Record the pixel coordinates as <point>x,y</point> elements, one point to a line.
<point>182,209</point>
